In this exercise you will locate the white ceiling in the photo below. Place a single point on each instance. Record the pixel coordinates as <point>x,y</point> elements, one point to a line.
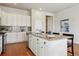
<point>50,7</point>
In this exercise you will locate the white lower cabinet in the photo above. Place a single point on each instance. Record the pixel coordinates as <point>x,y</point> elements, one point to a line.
<point>30,42</point>
<point>19,36</point>
<point>34,44</point>
<point>13,37</point>
<point>0,44</point>
<point>43,47</point>
<point>24,36</point>
<point>37,45</point>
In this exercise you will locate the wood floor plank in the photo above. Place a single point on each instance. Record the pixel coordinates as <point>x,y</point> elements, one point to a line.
<point>19,49</point>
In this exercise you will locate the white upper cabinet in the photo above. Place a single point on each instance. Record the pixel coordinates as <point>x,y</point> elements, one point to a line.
<point>0,15</point>
<point>13,18</point>
<point>28,20</point>
<point>0,12</point>
<point>18,20</point>
<point>23,21</point>
<point>4,17</point>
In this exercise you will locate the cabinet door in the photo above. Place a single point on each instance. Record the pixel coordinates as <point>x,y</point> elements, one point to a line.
<point>30,39</point>
<point>23,20</point>
<point>42,47</point>
<point>4,17</point>
<point>57,48</point>
<point>45,47</point>
<point>20,36</point>
<point>18,19</point>
<point>24,36</point>
<point>11,37</point>
<point>0,11</point>
<point>35,45</point>
<point>31,42</point>
<point>0,44</point>
<point>0,15</point>
<point>11,19</point>
<point>39,47</point>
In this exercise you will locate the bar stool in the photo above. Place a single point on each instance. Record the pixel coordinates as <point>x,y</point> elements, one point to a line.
<point>70,43</point>
<point>55,33</point>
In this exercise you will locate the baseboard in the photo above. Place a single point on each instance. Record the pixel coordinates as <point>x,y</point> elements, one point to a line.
<point>31,51</point>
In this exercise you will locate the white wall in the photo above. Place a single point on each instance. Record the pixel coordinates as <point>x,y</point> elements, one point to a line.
<point>73,15</point>
<point>39,19</point>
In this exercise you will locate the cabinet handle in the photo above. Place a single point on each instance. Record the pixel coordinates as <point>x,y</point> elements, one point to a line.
<point>37,39</point>
<point>41,47</point>
<point>44,42</point>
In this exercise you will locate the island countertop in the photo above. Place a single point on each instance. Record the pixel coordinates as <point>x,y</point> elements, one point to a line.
<point>53,37</point>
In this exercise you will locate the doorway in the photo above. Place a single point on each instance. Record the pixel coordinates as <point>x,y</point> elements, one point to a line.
<point>49,24</point>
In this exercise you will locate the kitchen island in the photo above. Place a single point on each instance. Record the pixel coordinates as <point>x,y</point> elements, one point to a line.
<point>46,45</point>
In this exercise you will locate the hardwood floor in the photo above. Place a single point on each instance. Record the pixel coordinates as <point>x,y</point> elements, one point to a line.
<point>17,49</point>
<point>21,49</point>
<point>76,50</point>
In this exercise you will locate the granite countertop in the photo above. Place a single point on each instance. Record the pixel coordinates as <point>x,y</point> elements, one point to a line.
<point>55,37</point>
<point>28,32</point>
<point>2,32</point>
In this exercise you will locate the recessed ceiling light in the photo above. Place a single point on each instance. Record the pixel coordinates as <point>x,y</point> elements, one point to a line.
<point>40,8</point>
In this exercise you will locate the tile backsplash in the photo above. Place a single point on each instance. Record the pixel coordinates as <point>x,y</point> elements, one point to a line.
<point>13,28</point>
